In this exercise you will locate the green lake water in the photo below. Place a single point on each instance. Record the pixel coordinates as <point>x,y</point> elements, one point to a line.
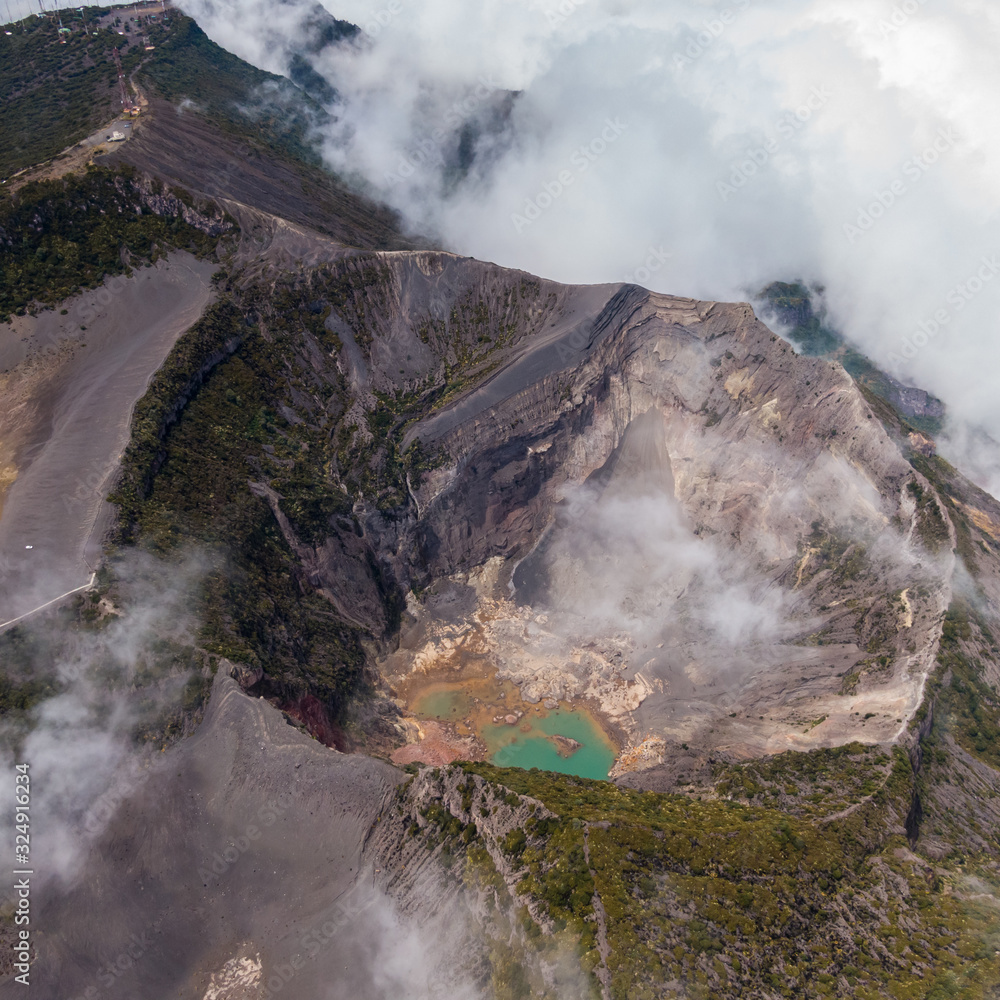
<point>446,703</point>
<point>509,747</point>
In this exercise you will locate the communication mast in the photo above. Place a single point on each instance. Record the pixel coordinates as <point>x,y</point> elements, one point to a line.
<point>122,87</point>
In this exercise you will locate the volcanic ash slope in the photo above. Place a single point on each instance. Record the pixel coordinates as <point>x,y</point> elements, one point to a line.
<point>657,504</point>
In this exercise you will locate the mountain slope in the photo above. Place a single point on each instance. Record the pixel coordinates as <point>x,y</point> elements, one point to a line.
<point>789,489</point>
<point>387,466</point>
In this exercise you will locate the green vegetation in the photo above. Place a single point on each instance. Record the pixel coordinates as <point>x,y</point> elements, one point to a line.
<point>931,524</point>
<point>190,490</point>
<point>23,650</point>
<point>264,125</point>
<point>237,97</point>
<point>57,92</point>
<point>958,495</point>
<point>792,879</point>
<point>60,93</point>
<point>64,235</point>
<point>510,932</point>
<point>219,332</point>
<point>828,550</point>
<point>16,697</point>
<point>78,643</point>
<point>26,657</point>
<point>256,393</point>
<point>810,785</point>
<point>792,304</point>
<point>62,87</point>
<point>971,705</point>
<point>717,899</point>
<point>876,381</point>
<point>163,721</point>
<point>955,803</point>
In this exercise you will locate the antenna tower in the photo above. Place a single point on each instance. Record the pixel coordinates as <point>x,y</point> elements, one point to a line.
<point>122,88</point>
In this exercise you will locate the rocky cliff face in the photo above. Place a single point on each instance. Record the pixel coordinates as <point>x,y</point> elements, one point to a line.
<point>651,502</point>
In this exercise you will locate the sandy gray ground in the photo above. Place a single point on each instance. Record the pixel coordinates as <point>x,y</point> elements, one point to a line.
<point>186,149</point>
<point>69,417</point>
<point>242,852</point>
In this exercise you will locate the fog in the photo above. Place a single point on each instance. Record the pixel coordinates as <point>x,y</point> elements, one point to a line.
<point>699,149</point>
<point>622,558</point>
<point>107,680</point>
<point>626,569</point>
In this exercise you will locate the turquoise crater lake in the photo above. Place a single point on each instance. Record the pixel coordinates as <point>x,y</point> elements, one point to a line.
<point>509,747</point>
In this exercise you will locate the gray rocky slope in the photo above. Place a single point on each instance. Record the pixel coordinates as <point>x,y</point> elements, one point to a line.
<point>649,501</point>
<point>243,849</point>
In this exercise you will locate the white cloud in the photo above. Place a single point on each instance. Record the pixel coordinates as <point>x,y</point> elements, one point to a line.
<point>78,743</point>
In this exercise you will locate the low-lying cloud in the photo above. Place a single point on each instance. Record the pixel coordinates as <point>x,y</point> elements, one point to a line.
<point>631,564</point>
<point>108,679</point>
